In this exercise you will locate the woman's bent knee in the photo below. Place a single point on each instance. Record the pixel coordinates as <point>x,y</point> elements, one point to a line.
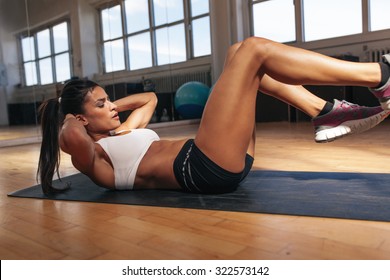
<point>259,47</point>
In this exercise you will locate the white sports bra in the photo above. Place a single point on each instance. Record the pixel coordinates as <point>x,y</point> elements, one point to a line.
<point>126,152</point>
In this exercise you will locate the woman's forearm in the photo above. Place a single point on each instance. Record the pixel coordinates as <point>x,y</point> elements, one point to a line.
<point>135,101</point>
<point>142,106</point>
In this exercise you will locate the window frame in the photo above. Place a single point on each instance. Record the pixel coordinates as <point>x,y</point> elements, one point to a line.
<point>33,33</point>
<point>188,36</point>
<point>367,35</point>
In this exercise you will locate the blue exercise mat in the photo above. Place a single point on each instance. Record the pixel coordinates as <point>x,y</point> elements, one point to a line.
<point>363,196</point>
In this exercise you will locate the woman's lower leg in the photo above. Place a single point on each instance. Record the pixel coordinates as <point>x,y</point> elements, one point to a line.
<point>299,67</point>
<point>296,96</point>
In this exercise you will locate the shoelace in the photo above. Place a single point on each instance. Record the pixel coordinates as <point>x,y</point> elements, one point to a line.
<point>348,104</point>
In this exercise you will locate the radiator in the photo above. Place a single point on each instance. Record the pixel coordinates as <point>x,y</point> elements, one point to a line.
<point>172,83</point>
<point>375,55</point>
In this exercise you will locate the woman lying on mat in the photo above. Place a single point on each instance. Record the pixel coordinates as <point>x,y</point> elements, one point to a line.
<point>124,156</point>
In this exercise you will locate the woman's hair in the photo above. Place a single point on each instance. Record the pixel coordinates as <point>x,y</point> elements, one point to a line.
<point>51,114</point>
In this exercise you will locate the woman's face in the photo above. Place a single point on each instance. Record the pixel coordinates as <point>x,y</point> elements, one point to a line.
<point>100,113</point>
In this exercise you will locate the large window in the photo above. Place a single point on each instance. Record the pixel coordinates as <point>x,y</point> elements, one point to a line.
<point>379,16</point>
<point>46,55</point>
<point>311,20</point>
<point>139,39</point>
<point>170,32</point>
<point>144,33</point>
<point>331,18</point>
<point>275,20</point>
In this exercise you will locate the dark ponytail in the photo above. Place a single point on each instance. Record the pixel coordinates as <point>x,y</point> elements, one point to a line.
<point>49,158</point>
<point>51,114</point>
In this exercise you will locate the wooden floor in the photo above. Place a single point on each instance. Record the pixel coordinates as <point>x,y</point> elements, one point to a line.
<point>44,229</point>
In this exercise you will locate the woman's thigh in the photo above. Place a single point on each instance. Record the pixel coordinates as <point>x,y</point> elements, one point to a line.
<point>228,119</point>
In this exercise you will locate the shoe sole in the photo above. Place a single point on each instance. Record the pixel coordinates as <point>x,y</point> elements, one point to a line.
<point>350,127</point>
<point>385,103</point>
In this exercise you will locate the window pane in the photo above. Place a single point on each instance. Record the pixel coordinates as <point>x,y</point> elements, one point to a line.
<point>379,14</point>
<point>30,70</point>
<point>43,38</point>
<point>199,7</point>
<point>171,46</point>
<point>60,37</point>
<point>137,15</point>
<point>62,67</point>
<point>114,55</point>
<point>28,48</point>
<point>166,11</point>
<point>275,20</point>
<point>201,36</point>
<point>45,71</point>
<point>331,18</point>
<point>140,51</point>
<point>112,23</point>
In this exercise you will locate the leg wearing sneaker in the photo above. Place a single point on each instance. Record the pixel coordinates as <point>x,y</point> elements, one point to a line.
<point>331,121</point>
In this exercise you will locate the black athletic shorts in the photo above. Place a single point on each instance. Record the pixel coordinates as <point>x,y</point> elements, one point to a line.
<point>196,173</point>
